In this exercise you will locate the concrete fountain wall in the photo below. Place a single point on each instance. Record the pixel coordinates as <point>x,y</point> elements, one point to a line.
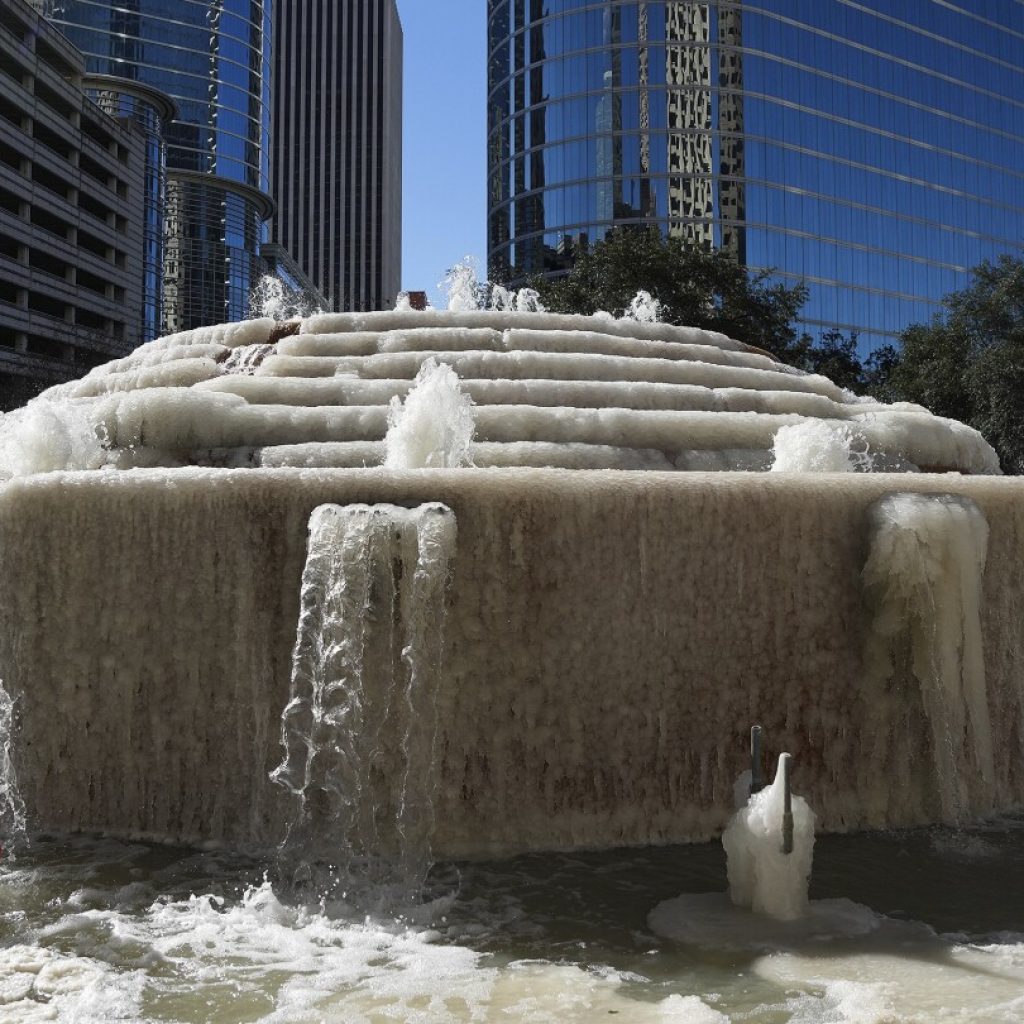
<point>611,637</point>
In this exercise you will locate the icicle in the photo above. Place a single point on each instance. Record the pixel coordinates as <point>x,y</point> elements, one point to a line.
<point>359,729</point>
<point>923,579</point>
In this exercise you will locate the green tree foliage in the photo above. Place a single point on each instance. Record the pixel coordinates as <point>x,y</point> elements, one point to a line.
<point>696,287</point>
<point>968,362</point>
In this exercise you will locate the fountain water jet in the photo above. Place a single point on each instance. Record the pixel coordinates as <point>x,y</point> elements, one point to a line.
<point>819,447</point>
<point>12,807</point>
<point>360,726</point>
<point>433,427</point>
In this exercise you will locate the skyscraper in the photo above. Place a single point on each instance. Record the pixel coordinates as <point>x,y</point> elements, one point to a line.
<point>212,58</point>
<point>337,158</point>
<point>873,150</point>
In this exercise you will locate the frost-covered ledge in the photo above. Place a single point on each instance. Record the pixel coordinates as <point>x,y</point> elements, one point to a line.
<point>611,638</point>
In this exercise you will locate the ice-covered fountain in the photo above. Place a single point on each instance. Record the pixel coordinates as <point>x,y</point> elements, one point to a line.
<point>431,584</point>
<point>627,590</point>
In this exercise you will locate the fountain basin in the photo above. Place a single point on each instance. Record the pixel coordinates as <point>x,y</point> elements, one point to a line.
<point>610,638</point>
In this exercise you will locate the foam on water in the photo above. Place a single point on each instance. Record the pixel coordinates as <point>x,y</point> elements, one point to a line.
<point>94,931</point>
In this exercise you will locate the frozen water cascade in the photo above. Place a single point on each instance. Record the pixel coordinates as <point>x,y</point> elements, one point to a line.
<point>433,427</point>
<point>360,725</point>
<point>923,579</point>
<point>615,522</point>
<point>12,807</point>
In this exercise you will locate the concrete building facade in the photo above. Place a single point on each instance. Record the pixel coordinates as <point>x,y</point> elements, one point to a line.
<point>337,146</point>
<point>73,184</point>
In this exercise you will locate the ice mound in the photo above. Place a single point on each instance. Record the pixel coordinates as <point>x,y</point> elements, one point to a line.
<point>550,390</point>
<point>762,877</point>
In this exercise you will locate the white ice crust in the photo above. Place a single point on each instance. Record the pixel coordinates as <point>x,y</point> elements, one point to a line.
<point>555,390</point>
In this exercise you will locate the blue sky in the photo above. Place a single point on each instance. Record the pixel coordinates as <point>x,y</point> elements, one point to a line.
<point>445,158</point>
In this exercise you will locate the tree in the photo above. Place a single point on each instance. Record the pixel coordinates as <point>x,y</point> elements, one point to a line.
<point>697,287</point>
<point>968,362</point>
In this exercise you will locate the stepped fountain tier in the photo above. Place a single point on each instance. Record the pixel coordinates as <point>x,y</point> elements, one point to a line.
<point>531,652</point>
<point>558,391</point>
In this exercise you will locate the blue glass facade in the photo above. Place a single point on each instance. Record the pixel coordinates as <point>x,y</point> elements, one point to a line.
<point>212,58</point>
<point>150,112</point>
<point>874,150</point>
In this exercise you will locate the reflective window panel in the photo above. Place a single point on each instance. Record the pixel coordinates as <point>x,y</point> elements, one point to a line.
<point>874,150</point>
<point>211,57</point>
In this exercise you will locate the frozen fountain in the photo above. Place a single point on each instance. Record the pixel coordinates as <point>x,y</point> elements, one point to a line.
<point>630,584</point>
<point>237,615</point>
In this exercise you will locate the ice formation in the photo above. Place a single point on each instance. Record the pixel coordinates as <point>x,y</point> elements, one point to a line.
<point>433,427</point>
<point>762,877</point>
<point>550,390</point>
<point>364,689</point>
<point>47,436</point>
<point>924,582</point>
<point>12,807</point>
<point>819,447</point>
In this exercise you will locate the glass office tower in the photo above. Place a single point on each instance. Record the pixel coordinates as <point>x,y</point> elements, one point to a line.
<point>211,57</point>
<point>874,150</point>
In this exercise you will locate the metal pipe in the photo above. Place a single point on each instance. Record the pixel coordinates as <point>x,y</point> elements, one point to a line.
<point>787,804</point>
<point>756,778</point>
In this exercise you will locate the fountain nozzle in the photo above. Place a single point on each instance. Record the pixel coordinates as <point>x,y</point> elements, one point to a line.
<point>787,804</point>
<point>756,778</point>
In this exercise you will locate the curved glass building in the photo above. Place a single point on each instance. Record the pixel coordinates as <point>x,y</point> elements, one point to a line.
<point>873,149</point>
<point>211,57</point>
<point>150,112</point>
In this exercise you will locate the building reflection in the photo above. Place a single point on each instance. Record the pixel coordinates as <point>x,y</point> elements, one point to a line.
<point>877,157</point>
